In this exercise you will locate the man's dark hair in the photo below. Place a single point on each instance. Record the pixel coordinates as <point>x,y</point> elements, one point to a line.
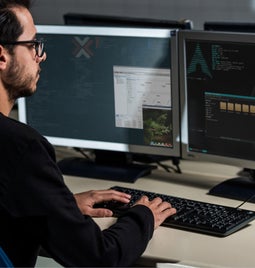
<point>11,3</point>
<point>10,28</point>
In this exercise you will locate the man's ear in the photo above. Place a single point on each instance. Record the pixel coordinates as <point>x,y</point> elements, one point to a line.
<point>3,57</point>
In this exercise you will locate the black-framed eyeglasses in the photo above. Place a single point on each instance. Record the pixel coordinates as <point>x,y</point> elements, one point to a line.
<point>37,44</point>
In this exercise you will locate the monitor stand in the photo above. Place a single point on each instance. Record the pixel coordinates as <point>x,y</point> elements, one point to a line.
<point>239,188</point>
<point>108,165</point>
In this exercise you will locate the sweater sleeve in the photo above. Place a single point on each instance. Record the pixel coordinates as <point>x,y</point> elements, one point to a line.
<point>71,238</point>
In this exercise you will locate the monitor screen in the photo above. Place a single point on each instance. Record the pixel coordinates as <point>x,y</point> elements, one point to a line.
<point>121,21</point>
<point>218,96</point>
<point>107,89</point>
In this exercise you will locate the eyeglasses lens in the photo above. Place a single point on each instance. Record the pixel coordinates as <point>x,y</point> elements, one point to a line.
<point>39,48</point>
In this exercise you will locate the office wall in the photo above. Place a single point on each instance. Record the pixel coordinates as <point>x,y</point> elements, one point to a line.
<point>51,11</point>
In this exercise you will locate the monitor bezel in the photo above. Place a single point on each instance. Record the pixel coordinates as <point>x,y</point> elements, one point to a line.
<point>229,26</point>
<point>84,19</point>
<point>211,36</point>
<point>121,147</point>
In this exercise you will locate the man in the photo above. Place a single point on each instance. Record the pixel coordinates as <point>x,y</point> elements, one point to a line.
<point>36,208</point>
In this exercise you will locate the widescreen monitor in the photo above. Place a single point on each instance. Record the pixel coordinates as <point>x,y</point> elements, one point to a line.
<point>218,103</point>
<point>108,89</point>
<point>79,19</point>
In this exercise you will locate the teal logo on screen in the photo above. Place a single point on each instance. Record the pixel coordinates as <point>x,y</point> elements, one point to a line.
<point>198,63</point>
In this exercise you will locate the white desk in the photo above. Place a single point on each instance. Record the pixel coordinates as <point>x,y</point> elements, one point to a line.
<point>172,245</point>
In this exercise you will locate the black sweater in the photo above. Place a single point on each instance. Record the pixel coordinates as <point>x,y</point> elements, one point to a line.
<point>38,210</point>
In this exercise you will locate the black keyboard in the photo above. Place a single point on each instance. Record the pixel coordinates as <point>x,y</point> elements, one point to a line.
<point>191,215</point>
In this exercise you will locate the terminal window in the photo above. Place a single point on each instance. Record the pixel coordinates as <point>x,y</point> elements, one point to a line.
<point>221,97</point>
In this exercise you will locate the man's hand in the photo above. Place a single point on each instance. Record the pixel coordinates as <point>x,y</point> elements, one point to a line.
<point>160,210</point>
<point>87,200</point>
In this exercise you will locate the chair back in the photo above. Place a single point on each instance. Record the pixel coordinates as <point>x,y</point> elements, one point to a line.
<point>4,260</point>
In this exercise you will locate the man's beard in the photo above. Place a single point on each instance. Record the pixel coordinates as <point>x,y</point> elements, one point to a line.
<point>16,82</point>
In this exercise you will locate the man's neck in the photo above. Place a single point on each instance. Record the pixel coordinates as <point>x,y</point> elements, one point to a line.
<point>5,104</point>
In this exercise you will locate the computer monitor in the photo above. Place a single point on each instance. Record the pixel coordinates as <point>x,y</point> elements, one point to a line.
<point>229,26</point>
<point>120,21</point>
<point>113,90</point>
<point>218,103</point>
